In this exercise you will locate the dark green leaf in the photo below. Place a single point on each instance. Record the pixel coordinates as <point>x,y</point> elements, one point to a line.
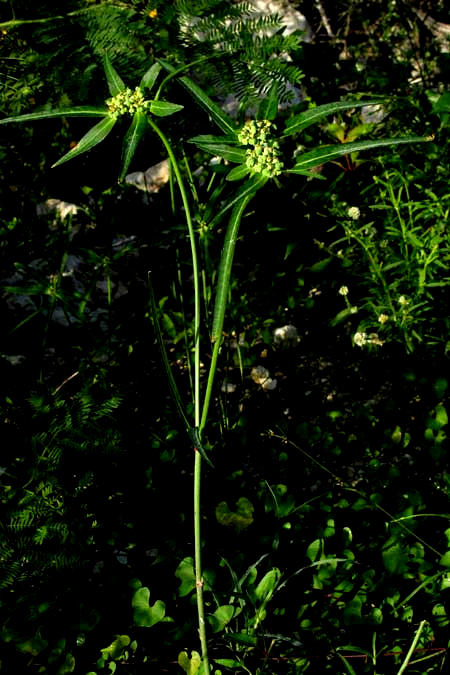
<point>210,138</point>
<point>115,82</point>
<point>326,153</point>
<point>226,151</point>
<point>131,140</point>
<point>310,117</point>
<point>268,107</point>
<point>164,108</point>
<point>80,111</point>
<point>250,187</point>
<point>220,118</point>
<point>149,78</point>
<point>92,138</point>
<point>238,172</point>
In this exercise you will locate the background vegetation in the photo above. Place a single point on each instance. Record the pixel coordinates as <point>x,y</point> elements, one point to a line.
<point>325,519</point>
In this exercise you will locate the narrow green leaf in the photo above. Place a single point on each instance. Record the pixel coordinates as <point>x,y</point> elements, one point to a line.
<point>131,140</point>
<point>164,108</point>
<point>247,191</point>
<point>268,107</point>
<point>348,667</point>
<point>309,117</point>
<point>162,349</point>
<point>226,151</point>
<point>149,78</point>
<point>253,184</point>
<point>210,138</point>
<point>115,82</point>
<point>216,113</point>
<point>92,138</point>
<point>326,153</point>
<point>80,111</point>
<point>238,172</point>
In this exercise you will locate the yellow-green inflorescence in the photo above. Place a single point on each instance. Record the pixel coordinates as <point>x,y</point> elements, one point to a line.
<point>263,155</point>
<point>127,102</point>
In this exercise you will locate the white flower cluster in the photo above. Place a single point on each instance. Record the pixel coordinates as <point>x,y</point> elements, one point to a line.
<point>353,213</point>
<point>361,339</point>
<point>286,336</point>
<point>264,155</point>
<point>261,376</point>
<point>127,102</point>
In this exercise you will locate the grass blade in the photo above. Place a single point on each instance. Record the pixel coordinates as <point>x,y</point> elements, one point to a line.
<point>79,111</point>
<point>92,138</point>
<point>309,117</point>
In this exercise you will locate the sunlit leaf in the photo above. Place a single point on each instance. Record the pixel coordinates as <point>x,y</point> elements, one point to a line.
<point>92,138</point>
<point>149,78</point>
<point>189,665</point>
<point>225,151</point>
<point>268,107</point>
<point>115,82</point>
<point>309,117</point>
<point>78,111</point>
<point>145,615</point>
<point>326,153</point>
<point>164,108</point>
<point>238,172</point>
<point>131,140</point>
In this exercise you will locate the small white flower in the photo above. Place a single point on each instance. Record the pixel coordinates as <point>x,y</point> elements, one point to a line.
<point>403,300</point>
<point>383,318</point>
<point>360,339</point>
<point>343,290</point>
<point>286,336</point>
<point>228,387</point>
<point>353,213</point>
<point>261,376</point>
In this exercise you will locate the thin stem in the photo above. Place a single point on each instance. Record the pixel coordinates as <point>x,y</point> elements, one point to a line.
<point>198,459</point>
<point>412,648</point>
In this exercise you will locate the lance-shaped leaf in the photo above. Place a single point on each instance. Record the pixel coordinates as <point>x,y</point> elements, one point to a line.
<point>268,107</point>
<point>310,117</point>
<point>149,78</point>
<point>210,138</point>
<point>236,155</point>
<point>92,138</point>
<point>115,82</point>
<point>329,152</point>
<point>216,113</point>
<point>238,172</point>
<point>79,111</point>
<point>164,108</point>
<point>131,140</point>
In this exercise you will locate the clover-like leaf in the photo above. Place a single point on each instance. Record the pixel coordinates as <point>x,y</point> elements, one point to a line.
<point>131,140</point>
<point>89,140</point>
<point>239,519</point>
<point>164,108</point>
<point>115,82</point>
<point>190,665</point>
<point>145,615</point>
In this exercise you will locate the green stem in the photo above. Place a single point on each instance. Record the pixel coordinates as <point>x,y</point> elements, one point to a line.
<point>412,648</point>
<point>198,459</point>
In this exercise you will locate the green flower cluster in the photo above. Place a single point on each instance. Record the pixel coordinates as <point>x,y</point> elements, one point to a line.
<point>264,155</point>
<point>127,102</point>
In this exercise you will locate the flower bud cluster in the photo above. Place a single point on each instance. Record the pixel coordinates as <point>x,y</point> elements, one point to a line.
<point>127,102</point>
<point>264,155</point>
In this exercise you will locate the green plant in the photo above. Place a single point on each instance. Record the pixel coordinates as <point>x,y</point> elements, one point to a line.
<point>259,157</point>
<point>405,250</point>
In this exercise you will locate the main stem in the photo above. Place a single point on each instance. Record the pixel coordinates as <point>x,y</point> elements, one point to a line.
<point>198,459</point>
